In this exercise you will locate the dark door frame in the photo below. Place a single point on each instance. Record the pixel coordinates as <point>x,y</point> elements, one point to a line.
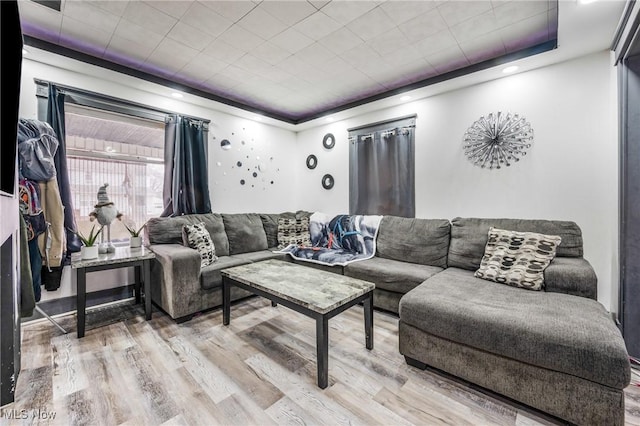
<point>626,46</point>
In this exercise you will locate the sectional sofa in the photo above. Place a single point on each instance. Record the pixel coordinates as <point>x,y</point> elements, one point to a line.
<point>557,350</point>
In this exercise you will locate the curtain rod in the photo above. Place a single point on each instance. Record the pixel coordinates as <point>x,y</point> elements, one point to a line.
<point>82,92</point>
<point>380,123</point>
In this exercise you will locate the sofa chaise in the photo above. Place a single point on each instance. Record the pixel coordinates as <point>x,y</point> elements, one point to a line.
<point>557,350</point>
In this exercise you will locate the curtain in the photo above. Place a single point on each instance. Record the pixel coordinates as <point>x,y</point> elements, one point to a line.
<point>55,117</point>
<point>382,175</point>
<point>186,187</point>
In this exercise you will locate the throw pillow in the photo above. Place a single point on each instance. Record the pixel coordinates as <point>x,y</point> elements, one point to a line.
<point>198,238</point>
<point>517,258</point>
<point>293,231</point>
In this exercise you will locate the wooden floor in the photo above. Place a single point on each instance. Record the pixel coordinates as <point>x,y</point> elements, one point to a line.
<point>260,370</point>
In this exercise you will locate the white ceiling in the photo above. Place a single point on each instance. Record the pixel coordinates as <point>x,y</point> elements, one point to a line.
<point>295,59</point>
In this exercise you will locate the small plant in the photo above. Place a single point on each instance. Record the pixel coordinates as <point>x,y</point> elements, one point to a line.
<point>132,231</point>
<point>90,240</point>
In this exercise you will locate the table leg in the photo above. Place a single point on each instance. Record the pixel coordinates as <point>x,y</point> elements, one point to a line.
<point>147,288</point>
<point>226,301</point>
<point>322,348</point>
<point>81,300</point>
<point>368,321</point>
<point>137,281</point>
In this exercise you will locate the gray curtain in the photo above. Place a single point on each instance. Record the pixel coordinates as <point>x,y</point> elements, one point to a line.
<point>382,170</point>
<point>55,117</point>
<point>186,187</point>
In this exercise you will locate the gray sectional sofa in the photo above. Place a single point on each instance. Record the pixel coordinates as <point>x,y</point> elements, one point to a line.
<point>557,350</point>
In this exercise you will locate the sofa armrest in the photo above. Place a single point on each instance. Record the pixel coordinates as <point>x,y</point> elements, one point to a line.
<point>571,275</point>
<point>175,277</point>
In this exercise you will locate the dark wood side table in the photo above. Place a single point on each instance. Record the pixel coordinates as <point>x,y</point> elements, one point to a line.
<point>124,257</point>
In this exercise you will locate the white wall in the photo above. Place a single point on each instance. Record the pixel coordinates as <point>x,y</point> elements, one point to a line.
<point>272,145</point>
<point>570,172</point>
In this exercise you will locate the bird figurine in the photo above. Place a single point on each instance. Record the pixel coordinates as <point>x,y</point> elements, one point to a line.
<point>105,212</point>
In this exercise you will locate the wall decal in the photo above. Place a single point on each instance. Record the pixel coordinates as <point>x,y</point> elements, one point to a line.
<point>312,162</point>
<point>327,181</point>
<point>497,139</point>
<point>250,166</point>
<point>329,141</point>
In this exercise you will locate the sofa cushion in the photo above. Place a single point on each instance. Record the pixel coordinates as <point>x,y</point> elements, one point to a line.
<point>422,241</point>
<point>571,275</point>
<point>389,274</point>
<point>198,238</point>
<point>168,230</point>
<point>469,237</point>
<point>270,225</point>
<point>245,232</point>
<point>293,231</point>
<point>560,332</point>
<point>210,276</point>
<point>517,259</point>
<point>257,256</point>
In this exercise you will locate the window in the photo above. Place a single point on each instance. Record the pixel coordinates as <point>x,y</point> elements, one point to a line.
<point>124,151</point>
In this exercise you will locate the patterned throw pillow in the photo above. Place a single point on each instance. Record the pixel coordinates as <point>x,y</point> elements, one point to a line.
<point>517,258</point>
<point>293,231</point>
<point>198,238</point>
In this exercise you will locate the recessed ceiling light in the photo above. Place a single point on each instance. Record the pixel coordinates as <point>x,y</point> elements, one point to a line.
<point>405,98</point>
<point>25,51</point>
<point>177,95</point>
<point>510,69</point>
<point>587,1</point>
<point>329,119</point>
<point>110,149</point>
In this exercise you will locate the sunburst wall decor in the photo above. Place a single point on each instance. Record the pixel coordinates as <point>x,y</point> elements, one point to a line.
<point>497,139</point>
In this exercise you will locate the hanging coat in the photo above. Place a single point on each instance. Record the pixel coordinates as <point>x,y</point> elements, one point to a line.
<point>53,243</point>
<point>27,296</point>
<point>37,145</point>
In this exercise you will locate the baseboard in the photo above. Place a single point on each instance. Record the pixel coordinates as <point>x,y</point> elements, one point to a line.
<point>64,305</point>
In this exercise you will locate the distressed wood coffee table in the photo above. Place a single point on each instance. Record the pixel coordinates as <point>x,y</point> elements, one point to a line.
<point>317,294</point>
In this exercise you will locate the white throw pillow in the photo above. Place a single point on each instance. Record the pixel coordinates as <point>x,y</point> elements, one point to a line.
<point>517,258</point>
<point>198,238</point>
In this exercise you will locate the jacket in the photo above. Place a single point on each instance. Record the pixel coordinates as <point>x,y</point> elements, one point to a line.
<point>53,251</point>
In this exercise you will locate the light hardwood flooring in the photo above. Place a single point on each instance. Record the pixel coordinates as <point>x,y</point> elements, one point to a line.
<point>260,370</point>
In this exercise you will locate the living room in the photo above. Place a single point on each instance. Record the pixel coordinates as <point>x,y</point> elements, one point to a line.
<point>569,95</point>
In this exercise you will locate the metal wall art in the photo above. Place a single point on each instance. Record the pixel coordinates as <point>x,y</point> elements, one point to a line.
<point>312,162</point>
<point>329,141</point>
<point>327,181</point>
<point>497,139</point>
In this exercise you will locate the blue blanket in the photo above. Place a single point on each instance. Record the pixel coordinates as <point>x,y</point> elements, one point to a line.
<point>338,240</point>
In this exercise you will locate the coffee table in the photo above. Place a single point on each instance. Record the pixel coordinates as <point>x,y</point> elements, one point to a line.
<point>315,293</point>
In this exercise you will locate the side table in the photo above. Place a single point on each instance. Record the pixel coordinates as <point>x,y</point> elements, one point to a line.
<point>124,257</point>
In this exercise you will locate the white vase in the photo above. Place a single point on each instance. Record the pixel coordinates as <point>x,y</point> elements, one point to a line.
<point>89,252</point>
<point>135,242</point>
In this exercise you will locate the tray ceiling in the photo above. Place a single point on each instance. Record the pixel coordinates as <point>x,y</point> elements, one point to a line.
<point>293,60</point>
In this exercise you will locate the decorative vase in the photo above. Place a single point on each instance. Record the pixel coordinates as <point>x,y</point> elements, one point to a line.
<point>135,242</point>
<point>89,252</point>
